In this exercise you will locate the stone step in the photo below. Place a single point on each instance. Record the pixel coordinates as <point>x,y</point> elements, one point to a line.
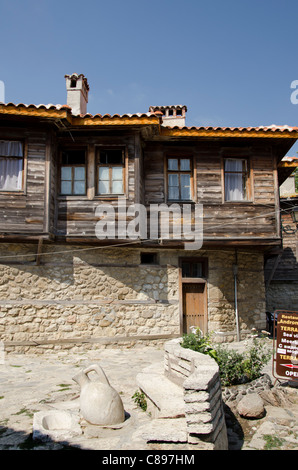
<point>165,430</point>
<point>164,398</point>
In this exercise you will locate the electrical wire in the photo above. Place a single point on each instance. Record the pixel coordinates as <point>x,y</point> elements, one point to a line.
<point>138,241</point>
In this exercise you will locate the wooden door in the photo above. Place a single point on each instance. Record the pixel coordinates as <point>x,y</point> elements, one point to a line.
<point>194,306</point>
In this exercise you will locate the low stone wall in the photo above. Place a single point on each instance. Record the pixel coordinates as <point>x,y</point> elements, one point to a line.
<point>198,374</point>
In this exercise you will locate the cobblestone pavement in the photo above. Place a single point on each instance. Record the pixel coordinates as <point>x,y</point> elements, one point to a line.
<point>32,383</point>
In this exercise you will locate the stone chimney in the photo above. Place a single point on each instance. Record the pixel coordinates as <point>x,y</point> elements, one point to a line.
<point>77,93</point>
<point>171,115</point>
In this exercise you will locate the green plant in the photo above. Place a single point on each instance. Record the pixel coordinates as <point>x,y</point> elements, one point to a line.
<point>230,366</point>
<point>234,367</point>
<point>198,342</point>
<point>254,360</point>
<point>272,442</point>
<point>140,400</point>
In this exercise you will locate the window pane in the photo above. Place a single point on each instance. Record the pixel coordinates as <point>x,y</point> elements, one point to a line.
<point>173,163</point>
<point>235,179</point>
<point>185,164</point>
<point>173,193</point>
<point>79,173</point>
<point>117,173</point>
<point>66,173</point>
<point>185,186</point>
<point>197,270</point>
<point>73,157</point>
<point>185,269</point>
<point>234,164</point>
<point>103,187</point>
<point>117,187</point>
<point>65,187</point>
<point>11,174</point>
<point>173,180</point>
<point>111,156</point>
<point>79,187</point>
<point>104,173</point>
<point>11,148</point>
<point>234,188</point>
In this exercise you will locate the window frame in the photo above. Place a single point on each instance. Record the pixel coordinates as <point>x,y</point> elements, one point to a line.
<point>246,174</point>
<point>73,166</point>
<point>194,260</point>
<point>22,190</point>
<point>98,165</point>
<point>180,172</point>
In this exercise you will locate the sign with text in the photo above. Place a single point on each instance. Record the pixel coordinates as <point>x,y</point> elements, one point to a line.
<point>285,345</point>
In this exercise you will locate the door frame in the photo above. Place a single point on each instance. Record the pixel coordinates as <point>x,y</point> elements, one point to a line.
<point>193,280</point>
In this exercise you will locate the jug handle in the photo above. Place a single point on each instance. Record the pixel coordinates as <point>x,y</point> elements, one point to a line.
<point>101,375</point>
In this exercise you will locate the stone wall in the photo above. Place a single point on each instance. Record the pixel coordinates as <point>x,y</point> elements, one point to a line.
<point>73,296</point>
<point>198,374</point>
<point>282,296</point>
<point>221,294</point>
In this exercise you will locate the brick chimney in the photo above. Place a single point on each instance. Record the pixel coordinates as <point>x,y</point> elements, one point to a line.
<point>77,93</point>
<point>171,115</point>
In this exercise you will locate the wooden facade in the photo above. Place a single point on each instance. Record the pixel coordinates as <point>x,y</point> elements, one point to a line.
<point>39,210</point>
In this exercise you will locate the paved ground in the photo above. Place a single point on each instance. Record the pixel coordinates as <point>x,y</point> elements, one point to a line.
<point>29,384</point>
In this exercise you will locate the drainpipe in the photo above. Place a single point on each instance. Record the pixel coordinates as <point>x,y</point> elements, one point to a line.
<point>235,272</point>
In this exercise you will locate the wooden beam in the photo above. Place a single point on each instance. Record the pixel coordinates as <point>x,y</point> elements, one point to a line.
<point>90,340</point>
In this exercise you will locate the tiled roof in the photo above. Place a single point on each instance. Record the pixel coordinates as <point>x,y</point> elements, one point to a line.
<point>68,108</point>
<point>38,106</point>
<point>52,110</point>
<point>271,128</point>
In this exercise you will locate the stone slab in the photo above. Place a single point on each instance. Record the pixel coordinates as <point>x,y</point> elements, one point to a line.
<point>165,430</point>
<point>166,397</point>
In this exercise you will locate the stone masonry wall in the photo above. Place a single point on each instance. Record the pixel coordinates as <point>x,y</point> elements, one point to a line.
<point>198,374</point>
<point>74,296</point>
<point>282,296</point>
<point>221,293</point>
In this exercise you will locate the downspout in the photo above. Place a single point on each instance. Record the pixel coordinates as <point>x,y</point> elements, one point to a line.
<point>235,272</point>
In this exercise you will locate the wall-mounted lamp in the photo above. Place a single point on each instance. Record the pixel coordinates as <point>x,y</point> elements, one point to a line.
<point>295,215</point>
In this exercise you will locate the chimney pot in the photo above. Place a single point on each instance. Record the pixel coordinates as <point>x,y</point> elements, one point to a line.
<point>77,93</point>
<point>171,115</point>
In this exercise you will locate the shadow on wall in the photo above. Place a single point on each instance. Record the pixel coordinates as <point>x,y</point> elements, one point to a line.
<point>75,273</point>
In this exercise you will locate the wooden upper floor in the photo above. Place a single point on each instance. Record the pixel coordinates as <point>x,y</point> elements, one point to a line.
<point>56,169</point>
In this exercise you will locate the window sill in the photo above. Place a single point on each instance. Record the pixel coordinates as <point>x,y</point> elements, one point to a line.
<point>239,202</point>
<point>109,196</point>
<point>12,193</point>
<point>72,197</point>
<point>181,201</point>
<point>97,197</point>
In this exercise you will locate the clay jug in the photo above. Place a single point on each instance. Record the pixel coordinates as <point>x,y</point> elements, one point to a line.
<point>99,402</point>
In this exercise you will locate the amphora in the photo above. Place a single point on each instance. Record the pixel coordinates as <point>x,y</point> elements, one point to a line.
<point>99,402</point>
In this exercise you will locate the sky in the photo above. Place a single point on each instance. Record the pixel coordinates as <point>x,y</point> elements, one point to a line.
<point>230,62</point>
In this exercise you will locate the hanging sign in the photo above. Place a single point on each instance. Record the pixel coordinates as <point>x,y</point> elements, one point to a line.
<point>285,345</point>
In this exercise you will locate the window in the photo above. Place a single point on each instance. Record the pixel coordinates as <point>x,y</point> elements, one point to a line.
<point>148,258</point>
<point>11,165</point>
<point>236,177</point>
<point>194,268</point>
<point>110,171</point>
<point>179,179</point>
<point>73,173</point>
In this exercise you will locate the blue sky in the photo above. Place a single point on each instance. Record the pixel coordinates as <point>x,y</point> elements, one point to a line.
<point>231,62</point>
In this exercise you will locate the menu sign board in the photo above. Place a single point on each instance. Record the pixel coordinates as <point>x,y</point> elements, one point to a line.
<point>286,344</point>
